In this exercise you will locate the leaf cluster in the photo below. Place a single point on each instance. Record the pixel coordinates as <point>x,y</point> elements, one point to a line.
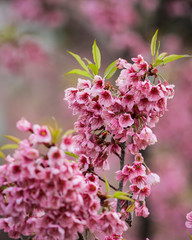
<point>162,58</point>
<point>14,145</point>
<point>90,69</point>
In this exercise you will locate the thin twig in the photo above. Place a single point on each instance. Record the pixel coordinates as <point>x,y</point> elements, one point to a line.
<point>86,233</point>
<point>110,185</point>
<point>122,161</point>
<point>117,155</point>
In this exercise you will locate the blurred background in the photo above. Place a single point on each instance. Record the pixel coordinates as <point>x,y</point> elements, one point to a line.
<point>34,38</point>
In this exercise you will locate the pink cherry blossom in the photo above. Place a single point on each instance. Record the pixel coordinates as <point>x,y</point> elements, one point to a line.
<point>41,133</point>
<point>24,125</point>
<point>188,223</point>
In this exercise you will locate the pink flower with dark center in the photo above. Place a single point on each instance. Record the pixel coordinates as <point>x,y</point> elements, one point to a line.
<point>98,85</point>
<point>67,143</point>
<point>96,122</point>
<point>135,189</point>
<point>83,97</point>
<point>105,98</point>
<point>139,180</point>
<point>155,94</point>
<point>83,162</point>
<point>83,84</point>
<point>128,101</point>
<point>24,125</point>
<point>188,223</point>
<point>71,95</point>
<point>144,192</point>
<point>42,134</point>
<point>141,210</point>
<point>125,120</point>
<point>138,169</point>
<point>145,87</point>
<point>55,156</point>
<point>139,158</point>
<point>145,104</point>
<point>91,187</point>
<point>122,63</point>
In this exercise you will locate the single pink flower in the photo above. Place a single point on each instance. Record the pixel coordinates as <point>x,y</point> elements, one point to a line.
<point>42,134</point>
<point>24,125</point>
<point>125,120</point>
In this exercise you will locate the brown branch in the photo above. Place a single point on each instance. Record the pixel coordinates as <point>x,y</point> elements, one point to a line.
<point>122,161</point>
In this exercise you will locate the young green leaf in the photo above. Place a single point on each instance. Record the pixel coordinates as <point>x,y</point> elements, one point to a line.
<point>12,138</point>
<point>79,60</point>
<point>72,154</point>
<point>157,53</point>
<point>88,61</point>
<point>80,72</point>
<point>122,195</point>
<point>110,71</point>
<point>162,55</point>
<point>94,68</point>
<point>190,236</point>
<point>154,43</point>
<point>56,134</point>
<point>106,183</point>
<point>157,62</point>
<point>96,55</point>
<point>2,155</point>
<point>9,146</point>
<point>173,57</point>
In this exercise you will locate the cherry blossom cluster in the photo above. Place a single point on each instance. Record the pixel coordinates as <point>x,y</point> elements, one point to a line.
<point>141,179</point>
<point>17,57</point>
<point>48,12</point>
<point>45,195</point>
<point>111,115</point>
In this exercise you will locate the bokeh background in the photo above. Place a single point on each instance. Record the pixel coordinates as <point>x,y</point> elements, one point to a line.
<point>34,38</point>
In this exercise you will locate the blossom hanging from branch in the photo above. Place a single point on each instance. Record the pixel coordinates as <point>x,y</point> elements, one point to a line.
<point>50,188</point>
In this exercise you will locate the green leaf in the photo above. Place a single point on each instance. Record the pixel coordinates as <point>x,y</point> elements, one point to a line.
<point>2,155</point>
<point>157,62</point>
<point>88,61</point>
<point>70,131</point>
<point>157,53</point>
<point>110,71</point>
<point>79,60</point>
<point>96,55</point>
<point>14,139</point>
<point>56,134</point>
<point>122,195</point>
<point>190,236</point>
<point>162,55</point>
<point>173,57</point>
<point>80,72</point>
<point>72,154</point>
<point>154,43</point>
<point>106,183</point>
<point>94,68</point>
<point>131,208</point>
<point>9,146</point>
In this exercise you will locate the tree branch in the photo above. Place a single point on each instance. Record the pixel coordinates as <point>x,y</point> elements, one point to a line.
<point>80,236</point>
<point>122,162</point>
<point>111,186</point>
